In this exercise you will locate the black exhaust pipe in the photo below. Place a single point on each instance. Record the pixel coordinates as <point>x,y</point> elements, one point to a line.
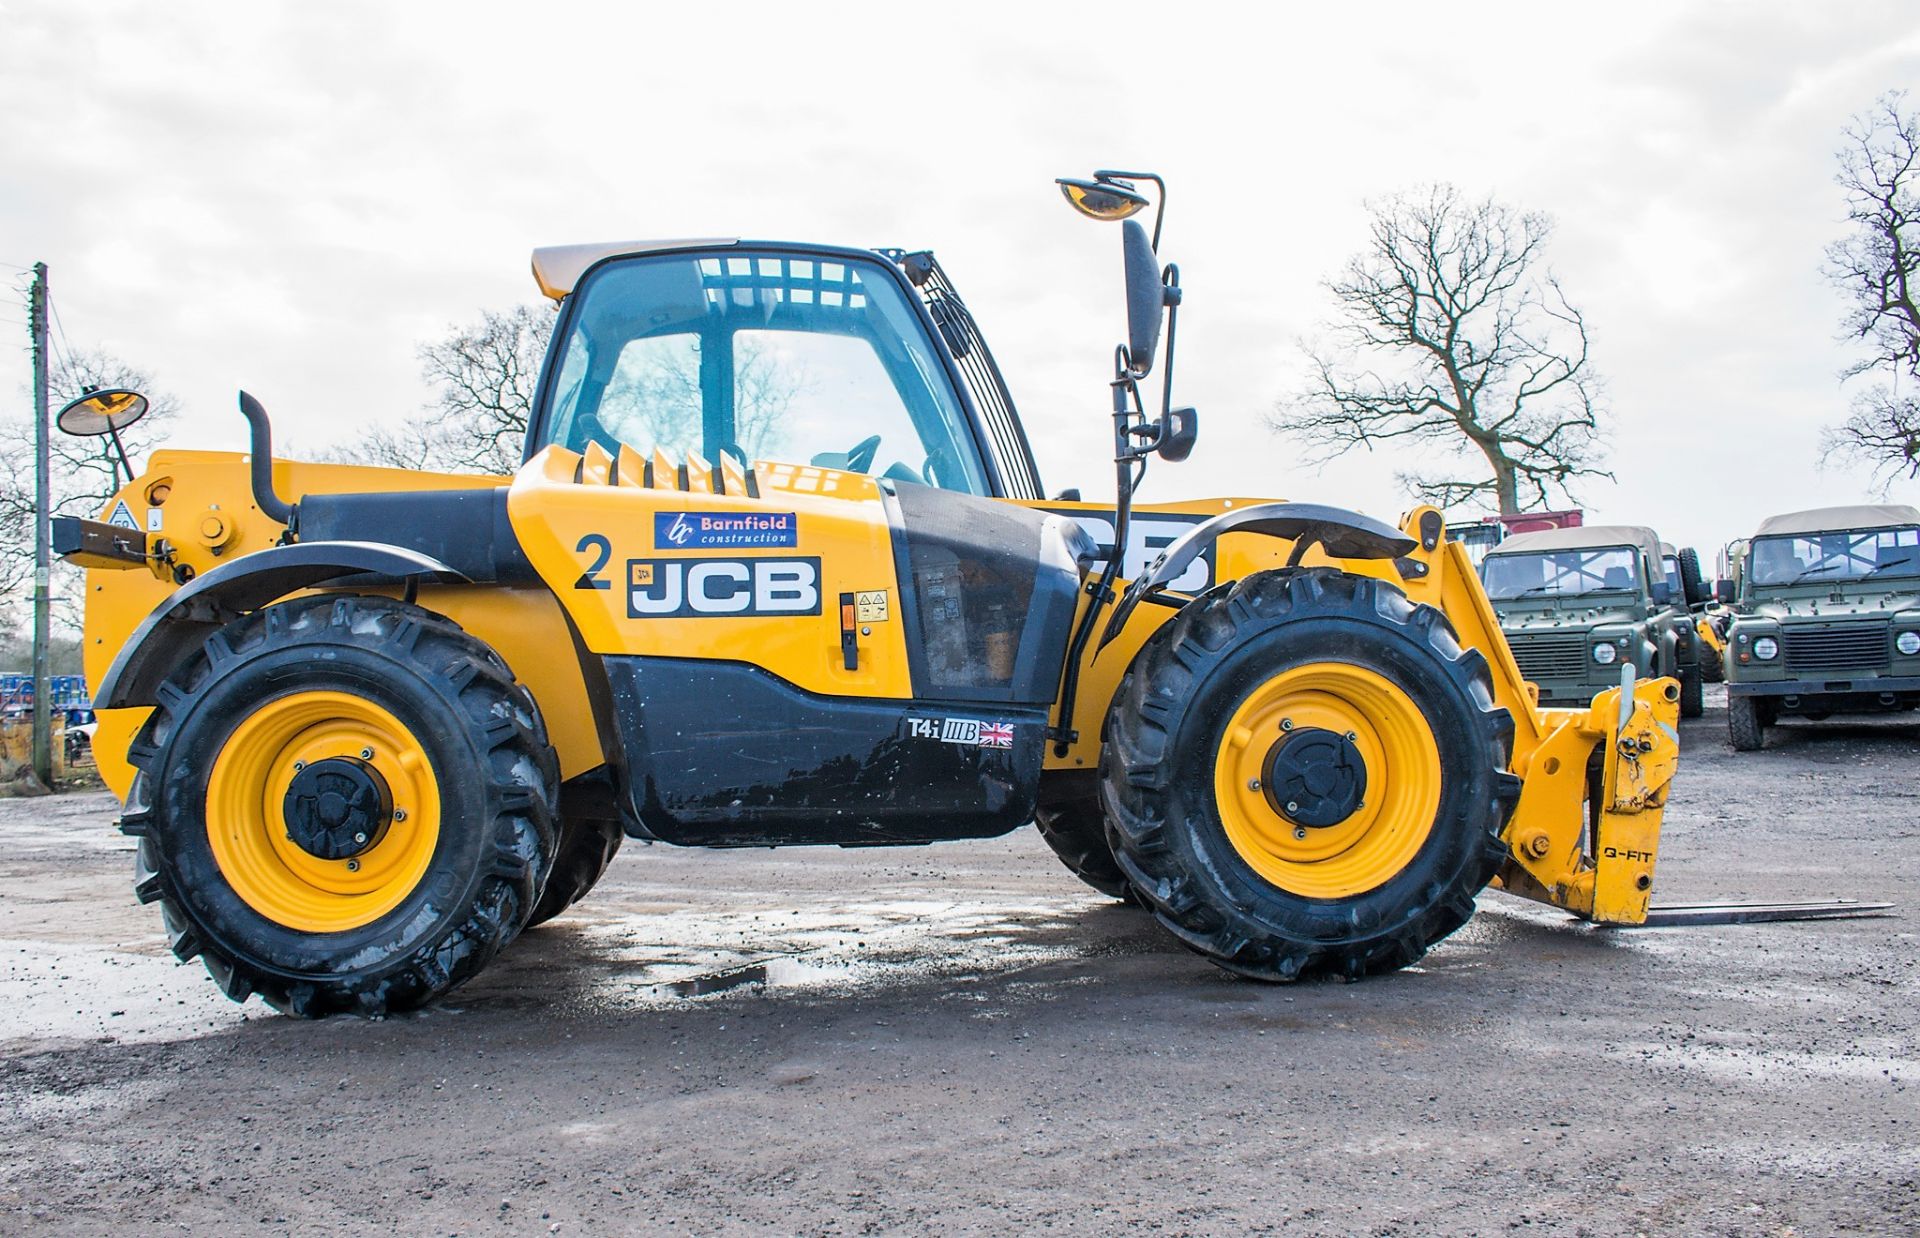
<point>262,462</point>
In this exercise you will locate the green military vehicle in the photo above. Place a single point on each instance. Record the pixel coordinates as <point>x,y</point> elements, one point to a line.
<point>1577,604</point>
<point>1826,618</point>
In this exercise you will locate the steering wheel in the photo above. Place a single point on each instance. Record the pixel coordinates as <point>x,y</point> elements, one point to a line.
<point>859,460</point>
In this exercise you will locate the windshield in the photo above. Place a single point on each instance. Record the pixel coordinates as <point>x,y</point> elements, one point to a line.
<point>1610,569</point>
<point>765,355</point>
<point>1825,557</point>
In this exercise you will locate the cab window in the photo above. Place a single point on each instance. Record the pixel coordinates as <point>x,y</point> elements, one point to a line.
<point>1613,569</point>
<point>1839,555</point>
<point>764,355</point>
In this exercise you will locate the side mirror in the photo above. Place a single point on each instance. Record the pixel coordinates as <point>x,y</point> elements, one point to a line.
<point>1146,297</point>
<point>99,412</point>
<point>1178,429</point>
<point>1723,592</point>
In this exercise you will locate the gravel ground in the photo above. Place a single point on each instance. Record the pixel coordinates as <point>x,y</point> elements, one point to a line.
<point>961,1039</point>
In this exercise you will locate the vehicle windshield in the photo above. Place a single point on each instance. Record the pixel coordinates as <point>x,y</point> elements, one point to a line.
<point>766,355</point>
<point>1562,573</point>
<point>1841,555</point>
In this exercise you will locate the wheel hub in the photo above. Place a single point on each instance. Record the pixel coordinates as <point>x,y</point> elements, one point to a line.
<point>1315,778</point>
<point>337,808</point>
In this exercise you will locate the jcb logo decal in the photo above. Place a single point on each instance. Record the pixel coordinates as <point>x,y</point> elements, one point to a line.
<point>672,588</point>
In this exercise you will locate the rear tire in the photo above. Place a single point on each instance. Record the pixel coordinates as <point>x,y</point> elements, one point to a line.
<point>460,800</point>
<point>1322,646</point>
<point>587,846</point>
<point>1076,829</point>
<point>1746,728</point>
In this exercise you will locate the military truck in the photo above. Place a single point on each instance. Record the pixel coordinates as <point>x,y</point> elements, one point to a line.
<point>1577,604</point>
<point>1826,618</point>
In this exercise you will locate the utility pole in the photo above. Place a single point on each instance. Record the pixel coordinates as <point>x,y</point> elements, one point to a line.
<point>42,560</point>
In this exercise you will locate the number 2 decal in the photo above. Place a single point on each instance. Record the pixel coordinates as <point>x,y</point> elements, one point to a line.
<point>603,550</point>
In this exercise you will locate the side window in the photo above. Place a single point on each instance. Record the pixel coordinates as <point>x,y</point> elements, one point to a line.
<point>653,398</point>
<point>828,400</point>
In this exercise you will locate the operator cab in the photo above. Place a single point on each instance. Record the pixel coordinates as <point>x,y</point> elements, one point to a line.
<point>855,360</point>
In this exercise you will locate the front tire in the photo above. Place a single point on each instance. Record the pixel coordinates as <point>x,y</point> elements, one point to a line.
<point>1305,773</point>
<point>342,804</point>
<point>1746,725</point>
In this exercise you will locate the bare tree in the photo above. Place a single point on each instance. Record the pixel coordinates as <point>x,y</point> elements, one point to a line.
<point>658,399</point>
<point>484,375</point>
<point>81,469</point>
<point>1878,266</point>
<point>1445,337</point>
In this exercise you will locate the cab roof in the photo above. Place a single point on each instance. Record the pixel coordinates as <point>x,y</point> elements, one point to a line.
<point>1584,537</point>
<point>557,268</point>
<point>1835,519</point>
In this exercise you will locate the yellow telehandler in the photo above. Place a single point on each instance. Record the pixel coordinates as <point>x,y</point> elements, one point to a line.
<point>778,569</point>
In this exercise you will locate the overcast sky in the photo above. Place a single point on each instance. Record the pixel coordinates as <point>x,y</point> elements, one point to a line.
<point>291,197</point>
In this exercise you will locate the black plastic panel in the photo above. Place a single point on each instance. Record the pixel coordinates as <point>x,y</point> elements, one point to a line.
<point>990,590</point>
<point>721,754</point>
<point>468,530</point>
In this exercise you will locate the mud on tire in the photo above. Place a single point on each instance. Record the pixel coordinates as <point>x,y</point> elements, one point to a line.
<point>587,846</point>
<point>1158,788</point>
<point>496,779</point>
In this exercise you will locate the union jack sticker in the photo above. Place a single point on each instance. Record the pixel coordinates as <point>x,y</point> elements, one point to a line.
<point>966,732</point>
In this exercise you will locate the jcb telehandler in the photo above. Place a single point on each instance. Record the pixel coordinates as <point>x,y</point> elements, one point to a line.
<point>778,569</point>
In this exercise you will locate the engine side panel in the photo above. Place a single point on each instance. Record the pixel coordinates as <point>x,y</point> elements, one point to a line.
<point>834,582</point>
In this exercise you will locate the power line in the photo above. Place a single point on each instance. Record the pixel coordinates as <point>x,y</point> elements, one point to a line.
<point>60,342</point>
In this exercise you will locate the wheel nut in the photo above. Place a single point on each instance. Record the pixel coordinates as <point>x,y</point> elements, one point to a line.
<point>1300,831</point>
<point>360,838</point>
<point>366,754</point>
<point>1253,784</point>
<point>353,866</point>
<point>1286,724</point>
<point>1293,806</point>
<point>399,814</point>
<point>1352,736</point>
<point>298,766</point>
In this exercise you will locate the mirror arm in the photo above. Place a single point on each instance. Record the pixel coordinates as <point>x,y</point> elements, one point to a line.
<point>1129,462</point>
<point>1160,203</point>
<point>1170,279</point>
<point>121,451</point>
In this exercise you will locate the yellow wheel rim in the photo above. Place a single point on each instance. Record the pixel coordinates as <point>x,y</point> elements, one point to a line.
<point>248,828</point>
<point>1380,834</point>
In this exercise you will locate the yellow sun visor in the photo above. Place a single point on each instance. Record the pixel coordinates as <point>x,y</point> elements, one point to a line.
<point>557,268</point>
